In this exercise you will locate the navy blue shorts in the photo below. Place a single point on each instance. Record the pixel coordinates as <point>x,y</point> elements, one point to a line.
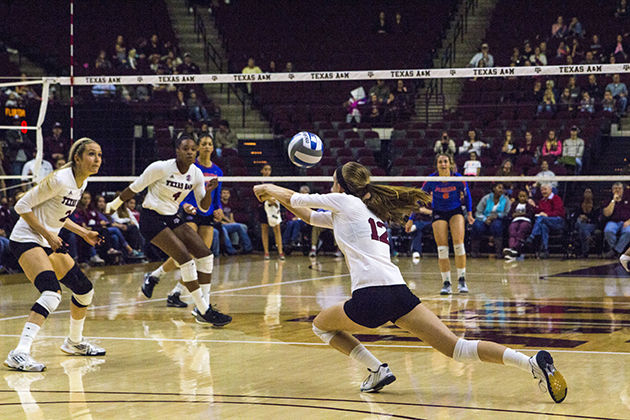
<point>373,306</point>
<point>446,215</point>
<point>19,248</point>
<point>152,223</point>
<point>198,219</point>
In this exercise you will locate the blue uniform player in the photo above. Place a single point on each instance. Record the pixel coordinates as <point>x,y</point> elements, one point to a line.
<point>200,221</point>
<point>447,212</point>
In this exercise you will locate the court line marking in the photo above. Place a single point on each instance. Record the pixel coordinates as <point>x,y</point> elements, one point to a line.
<point>140,302</point>
<point>298,343</point>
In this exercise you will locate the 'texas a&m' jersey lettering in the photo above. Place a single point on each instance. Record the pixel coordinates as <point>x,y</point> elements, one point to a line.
<point>167,187</point>
<point>52,201</point>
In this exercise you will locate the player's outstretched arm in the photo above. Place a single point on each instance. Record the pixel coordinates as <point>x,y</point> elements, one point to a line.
<point>113,205</point>
<point>92,237</point>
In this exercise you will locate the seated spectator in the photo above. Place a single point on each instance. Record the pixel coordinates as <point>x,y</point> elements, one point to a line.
<point>233,232</point>
<point>381,26</point>
<point>84,216</point>
<point>515,58</point>
<point>548,103</point>
<point>445,145</point>
<point>589,58</point>
<point>251,68</point>
<point>608,103</point>
<point>289,68</point>
<point>508,149</point>
<point>124,220</point>
<point>593,88</point>
<point>179,107</point>
<point>587,104</point>
<point>399,26</point>
<point>102,65</point>
<point>528,148</point>
<point>620,50</point>
<point>272,67</point>
<point>574,89</point>
<point>586,218</point>
<point>573,150</point>
<point>103,91</point>
<point>537,93</point>
<point>538,58</point>
<point>552,146</point>
<point>576,52</point>
<point>154,47</point>
<point>19,148</point>
<point>482,58</point>
<point>294,226</point>
<point>472,144</point>
<point>195,108</point>
<point>507,169</point>
<point>619,91</point>
<point>489,218</point>
<point>375,108</point>
<point>544,173</point>
<point>559,29</point>
<point>419,223</point>
<point>617,211</point>
<point>57,145</point>
<point>565,102</point>
<point>472,167</point>
<point>549,214</point>
<point>381,91</point>
<point>575,28</point>
<point>188,66</point>
<point>622,10</point>
<point>521,215</point>
<point>224,138</point>
<point>352,105</point>
<point>118,241</point>
<point>563,50</point>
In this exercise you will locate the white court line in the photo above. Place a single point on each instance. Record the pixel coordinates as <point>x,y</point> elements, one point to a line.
<point>140,302</point>
<point>298,343</point>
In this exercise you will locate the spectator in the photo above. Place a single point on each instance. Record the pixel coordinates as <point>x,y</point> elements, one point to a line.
<point>380,90</point>
<point>595,47</point>
<point>587,104</point>
<point>419,223</point>
<point>381,26</point>
<point>563,50</point>
<point>575,27</point>
<point>154,47</point>
<point>124,220</point>
<point>515,58</point>
<point>608,103</point>
<point>576,51</point>
<point>589,58</point>
<point>548,103</point>
<point>586,218</point>
<point>538,58</point>
<point>489,217</point>
<point>507,169</point>
<point>573,150</point>
<point>225,138</point>
<point>617,230</point>
<point>233,232</point>
<point>545,173</point>
<point>574,89</point>
<point>527,52</point>
<point>399,26</point>
<point>622,10</point>
<point>19,148</point>
<point>445,145</point>
<point>179,105</point>
<point>559,29</point>
<point>289,68</point>
<point>131,62</point>
<point>272,67</point>
<point>102,65</point>
<point>520,216</point>
<point>482,58</point>
<point>619,91</point>
<point>251,67</point>
<point>196,109</point>
<point>120,49</point>
<point>83,216</point>
<point>620,50</point>
<point>293,228</point>
<point>375,109</point>
<point>56,146</point>
<point>537,92</point>
<point>566,103</point>
<point>593,88</point>
<point>508,149</point>
<point>357,99</point>
<point>472,144</point>
<point>549,213</point>
<point>91,219</point>
<point>188,66</point>
<point>472,167</point>
<point>552,147</point>
<point>116,236</point>
<point>27,170</point>
<point>528,148</point>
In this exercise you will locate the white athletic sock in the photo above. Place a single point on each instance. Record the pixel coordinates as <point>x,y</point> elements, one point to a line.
<point>363,355</point>
<point>159,272</point>
<point>461,272</point>
<point>26,339</point>
<point>76,329</point>
<point>179,288</point>
<point>446,276</point>
<point>205,290</point>
<point>201,304</point>
<point>516,359</point>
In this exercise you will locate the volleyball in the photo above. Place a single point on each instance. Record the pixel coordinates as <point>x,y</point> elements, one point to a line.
<point>305,149</point>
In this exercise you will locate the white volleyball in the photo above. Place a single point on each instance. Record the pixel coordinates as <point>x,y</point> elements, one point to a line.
<point>305,149</point>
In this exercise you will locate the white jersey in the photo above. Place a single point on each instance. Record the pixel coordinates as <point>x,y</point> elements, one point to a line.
<point>52,202</point>
<point>360,235</point>
<point>168,187</point>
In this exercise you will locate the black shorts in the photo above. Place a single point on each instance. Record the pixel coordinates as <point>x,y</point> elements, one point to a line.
<point>198,219</point>
<point>152,223</point>
<point>373,306</point>
<point>19,248</point>
<point>446,215</point>
<point>262,215</point>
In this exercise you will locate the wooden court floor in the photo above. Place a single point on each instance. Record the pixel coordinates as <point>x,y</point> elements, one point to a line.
<point>268,364</point>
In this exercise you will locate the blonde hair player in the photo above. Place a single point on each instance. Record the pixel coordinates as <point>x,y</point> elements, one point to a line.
<point>168,183</point>
<point>359,211</point>
<point>34,241</point>
<point>201,222</point>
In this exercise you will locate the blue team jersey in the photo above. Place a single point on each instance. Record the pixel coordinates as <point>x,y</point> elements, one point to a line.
<point>211,172</point>
<point>447,195</point>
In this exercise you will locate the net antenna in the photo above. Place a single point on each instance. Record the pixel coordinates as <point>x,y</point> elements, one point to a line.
<point>39,138</point>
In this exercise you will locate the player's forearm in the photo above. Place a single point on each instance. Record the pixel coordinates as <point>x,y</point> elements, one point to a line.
<point>75,228</point>
<point>35,224</point>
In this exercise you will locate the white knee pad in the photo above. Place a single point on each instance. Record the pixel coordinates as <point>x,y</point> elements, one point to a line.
<point>85,299</point>
<point>205,264</point>
<point>466,351</point>
<point>49,300</point>
<point>442,252</point>
<point>325,336</point>
<point>189,271</point>
<point>459,249</point>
